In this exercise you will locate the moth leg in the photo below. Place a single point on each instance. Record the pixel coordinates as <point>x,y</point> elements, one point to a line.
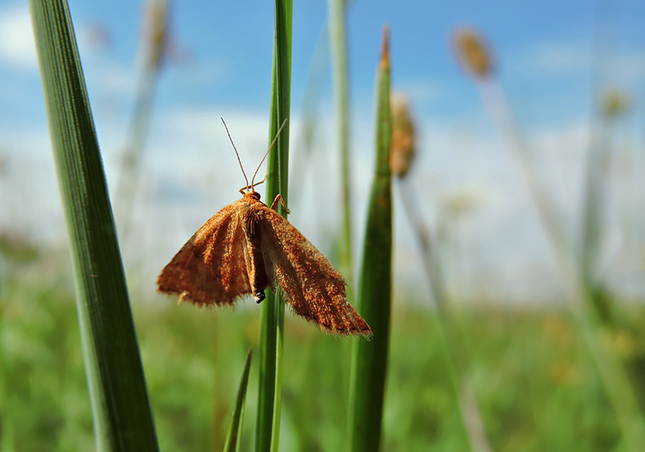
<point>259,296</point>
<point>275,203</point>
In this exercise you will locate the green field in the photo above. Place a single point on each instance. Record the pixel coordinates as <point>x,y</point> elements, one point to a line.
<point>461,375</point>
<point>535,382</point>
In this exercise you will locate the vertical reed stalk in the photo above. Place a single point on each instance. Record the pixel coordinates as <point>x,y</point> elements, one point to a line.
<point>619,389</point>
<point>339,78</point>
<point>267,434</point>
<point>595,202</point>
<point>153,46</point>
<point>451,340</point>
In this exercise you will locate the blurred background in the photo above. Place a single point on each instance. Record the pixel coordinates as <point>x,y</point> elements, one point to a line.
<point>556,118</point>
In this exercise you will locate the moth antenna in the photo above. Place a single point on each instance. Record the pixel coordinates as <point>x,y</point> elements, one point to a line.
<point>237,154</point>
<point>255,184</point>
<point>267,152</point>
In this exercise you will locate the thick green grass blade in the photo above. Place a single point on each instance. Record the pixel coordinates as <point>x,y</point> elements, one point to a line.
<point>369,360</point>
<point>122,417</point>
<point>267,435</point>
<point>234,432</point>
<point>338,50</point>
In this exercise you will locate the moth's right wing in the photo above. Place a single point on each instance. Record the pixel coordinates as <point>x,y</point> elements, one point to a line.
<point>313,288</point>
<point>211,268</point>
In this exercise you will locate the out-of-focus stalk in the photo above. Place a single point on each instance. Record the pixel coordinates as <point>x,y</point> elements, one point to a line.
<point>613,104</point>
<point>340,76</point>
<point>153,46</point>
<point>402,153</point>
<point>615,380</point>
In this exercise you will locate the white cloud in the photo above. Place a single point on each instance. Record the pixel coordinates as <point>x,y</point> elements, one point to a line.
<point>17,46</point>
<point>627,66</point>
<point>555,58</point>
<point>190,171</point>
<point>622,64</point>
<point>114,78</point>
<point>423,91</point>
<point>560,58</point>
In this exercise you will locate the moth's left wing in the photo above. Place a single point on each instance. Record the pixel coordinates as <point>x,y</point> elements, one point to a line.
<point>211,268</point>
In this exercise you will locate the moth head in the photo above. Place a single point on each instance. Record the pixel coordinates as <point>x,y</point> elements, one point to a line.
<point>252,193</point>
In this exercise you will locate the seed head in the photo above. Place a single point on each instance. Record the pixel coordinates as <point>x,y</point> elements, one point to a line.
<point>472,52</point>
<point>613,103</point>
<point>403,141</point>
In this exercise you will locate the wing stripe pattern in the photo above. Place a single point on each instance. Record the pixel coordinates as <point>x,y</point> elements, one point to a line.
<point>313,288</point>
<point>211,266</point>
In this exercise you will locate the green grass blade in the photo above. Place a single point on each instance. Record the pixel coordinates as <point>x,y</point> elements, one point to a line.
<point>369,360</point>
<point>267,435</point>
<point>339,77</point>
<point>119,399</point>
<point>234,432</point>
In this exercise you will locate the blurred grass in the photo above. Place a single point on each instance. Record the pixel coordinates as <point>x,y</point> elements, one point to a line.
<point>583,296</point>
<point>536,383</point>
<point>403,150</point>
<point>338,53</point>
<point>153,44</point>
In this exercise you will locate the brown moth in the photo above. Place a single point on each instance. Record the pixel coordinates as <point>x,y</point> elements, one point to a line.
<point>248,247</point>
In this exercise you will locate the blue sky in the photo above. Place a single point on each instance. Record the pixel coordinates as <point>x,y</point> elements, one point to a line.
<point>233,40</point>
<point>550,55</point>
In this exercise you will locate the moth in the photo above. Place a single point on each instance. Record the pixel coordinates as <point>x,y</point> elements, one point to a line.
<point>248,247</point>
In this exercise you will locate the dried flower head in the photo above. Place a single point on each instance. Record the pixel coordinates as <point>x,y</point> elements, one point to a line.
<point>156,31</point>
<point>613,103</point>
<point>403,141</point>
<point>472,52</point>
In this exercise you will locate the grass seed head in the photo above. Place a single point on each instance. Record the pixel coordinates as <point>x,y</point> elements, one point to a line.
<point>403,141</point>
<point>614,103</point>
<point>472,52</point>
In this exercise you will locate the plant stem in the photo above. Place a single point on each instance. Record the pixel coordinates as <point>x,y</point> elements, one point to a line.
<point>339,77</point>
<point>267,435</point>
<point>619,388</point>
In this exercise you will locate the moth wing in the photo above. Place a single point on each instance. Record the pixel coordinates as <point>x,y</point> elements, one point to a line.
<point>313,288</point>
<point>212,266</point>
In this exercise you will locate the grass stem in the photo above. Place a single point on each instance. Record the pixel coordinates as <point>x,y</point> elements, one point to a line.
<point>267,434</point>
